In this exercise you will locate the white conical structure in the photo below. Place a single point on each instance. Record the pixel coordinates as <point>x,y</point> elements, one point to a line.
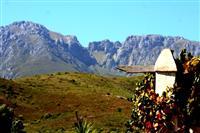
<point>165,69</point>
<point>165,62</point>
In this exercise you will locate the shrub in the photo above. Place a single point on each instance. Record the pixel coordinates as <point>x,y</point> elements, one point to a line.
<point>8,124</point>
<point>6,118</point>
<point>59,73</point>
<point>17,126</point>
<point>177,109</point>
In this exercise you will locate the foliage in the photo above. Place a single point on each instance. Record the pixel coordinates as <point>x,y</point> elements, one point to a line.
<point>7,122</point>
<point>187,90</point>
<point>177,109</point>
<point>17,126</point>
<point>6,117</point>
<point>82,126</point>
<point>150,112</point>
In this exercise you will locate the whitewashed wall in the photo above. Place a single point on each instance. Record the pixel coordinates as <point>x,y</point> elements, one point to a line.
<point>164,80</point>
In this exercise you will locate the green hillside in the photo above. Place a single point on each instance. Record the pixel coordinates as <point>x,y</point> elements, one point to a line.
<point>48,102</point>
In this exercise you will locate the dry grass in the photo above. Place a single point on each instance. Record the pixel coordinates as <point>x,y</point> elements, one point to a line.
<point>48,102</point>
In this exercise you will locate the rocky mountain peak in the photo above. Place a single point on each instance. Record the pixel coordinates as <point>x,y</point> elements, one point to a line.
<point>27,24</point>
<point>140,50</point>
<point>71,39</point>
<point>26,27</point>
<point>28,48</point>
<point>104,45</point>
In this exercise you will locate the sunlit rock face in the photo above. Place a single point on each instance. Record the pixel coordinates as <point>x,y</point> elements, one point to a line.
<point>27,48</point>
<point>139,50</point>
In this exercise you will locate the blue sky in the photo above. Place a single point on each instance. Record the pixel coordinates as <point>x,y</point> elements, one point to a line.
<point>95,20</point>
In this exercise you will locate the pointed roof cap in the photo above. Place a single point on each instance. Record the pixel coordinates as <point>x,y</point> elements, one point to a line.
<point>165,62</point>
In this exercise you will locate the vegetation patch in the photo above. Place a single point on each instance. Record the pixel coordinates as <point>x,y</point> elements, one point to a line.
<point>48,102</point>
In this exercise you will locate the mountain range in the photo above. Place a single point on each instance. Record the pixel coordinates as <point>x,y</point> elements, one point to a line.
<point>28,48</point>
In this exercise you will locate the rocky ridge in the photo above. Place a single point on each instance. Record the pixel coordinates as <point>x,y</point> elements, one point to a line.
<point>27,48</point>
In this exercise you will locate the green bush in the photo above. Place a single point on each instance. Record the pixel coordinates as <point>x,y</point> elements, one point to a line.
<point>8,124</point>
<point>6,118</point>
<point>17,126</point>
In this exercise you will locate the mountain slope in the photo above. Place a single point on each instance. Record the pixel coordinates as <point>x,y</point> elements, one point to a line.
<point>48,102</point>
<point>28,48</point>
<point>138,50</point>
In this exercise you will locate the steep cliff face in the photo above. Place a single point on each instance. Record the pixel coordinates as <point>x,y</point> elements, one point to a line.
<point>27,48</point>
<point>138,50</point>
<point>104,52</point>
